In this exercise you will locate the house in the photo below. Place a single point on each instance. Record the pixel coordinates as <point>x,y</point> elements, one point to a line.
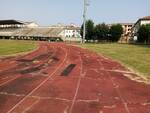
<point>142,21</point>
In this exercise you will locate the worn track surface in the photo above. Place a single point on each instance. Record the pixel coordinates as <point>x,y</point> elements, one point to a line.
<point>59,78</point>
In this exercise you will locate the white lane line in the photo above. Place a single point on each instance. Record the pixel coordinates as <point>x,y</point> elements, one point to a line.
<point>119,94</point>
<point>9,81</point>
<point>77,88</point>
<point>116,88</point>
<point>39,85</point>
<point>28,108</point>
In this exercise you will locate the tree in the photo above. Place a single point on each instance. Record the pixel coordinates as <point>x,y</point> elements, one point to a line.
<point>101,32</point>
<point>81,31</point>
<point>116,31</point>
<point>89,30</point>
<point>144,33</point>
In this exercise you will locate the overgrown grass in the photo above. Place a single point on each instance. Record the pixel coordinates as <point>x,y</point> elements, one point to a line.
<point>10,47</point>
<point>136,57</point>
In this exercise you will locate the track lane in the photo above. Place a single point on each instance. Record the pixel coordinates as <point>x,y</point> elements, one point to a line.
<point>91,87</point>
<point>28,95</point>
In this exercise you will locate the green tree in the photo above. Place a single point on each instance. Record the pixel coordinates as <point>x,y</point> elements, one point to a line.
<point>89,30</point>
<point>144,33</point>
<point>116,31</point>
<point>81,31</point>
<point>101,32</point>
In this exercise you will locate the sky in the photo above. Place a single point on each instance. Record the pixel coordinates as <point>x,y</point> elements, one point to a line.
<point>50,12</point>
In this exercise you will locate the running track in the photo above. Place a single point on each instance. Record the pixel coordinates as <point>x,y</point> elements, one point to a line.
<point>34,83</point>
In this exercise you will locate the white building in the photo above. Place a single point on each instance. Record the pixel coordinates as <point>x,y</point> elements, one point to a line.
<point>141,21</point>
<point>70,32</point>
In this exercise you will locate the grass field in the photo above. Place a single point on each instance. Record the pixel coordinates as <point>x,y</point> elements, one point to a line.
<point>11,47</point>
<point>136,57</point>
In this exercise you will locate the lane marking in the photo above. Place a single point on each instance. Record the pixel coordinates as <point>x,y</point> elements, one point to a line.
<point>39,84</point>
<point>78,85</point>
<point>119,94</point>
<point>116,88</point>
<point>9,80</point>
<point>28,108</point>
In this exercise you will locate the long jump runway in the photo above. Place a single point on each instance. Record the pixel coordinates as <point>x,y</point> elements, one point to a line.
<point>60,78</point>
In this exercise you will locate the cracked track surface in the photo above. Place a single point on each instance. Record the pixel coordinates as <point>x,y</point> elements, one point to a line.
<point>33,83</point>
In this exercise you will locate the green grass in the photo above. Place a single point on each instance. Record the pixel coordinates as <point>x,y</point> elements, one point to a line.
<point>137,57</point>
<point>11,47</point>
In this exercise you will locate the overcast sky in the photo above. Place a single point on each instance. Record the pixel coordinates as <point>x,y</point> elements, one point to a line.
<point>47,12</point>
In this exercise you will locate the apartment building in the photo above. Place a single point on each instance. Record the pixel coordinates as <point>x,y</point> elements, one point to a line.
<point>142,21</point>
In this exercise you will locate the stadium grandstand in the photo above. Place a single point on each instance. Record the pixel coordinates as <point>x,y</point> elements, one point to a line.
<point>13,29</point>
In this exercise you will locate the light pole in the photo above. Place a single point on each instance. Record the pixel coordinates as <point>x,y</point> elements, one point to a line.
<point>84,20</point>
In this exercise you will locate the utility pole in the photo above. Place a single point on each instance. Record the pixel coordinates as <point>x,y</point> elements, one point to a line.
<point>84,20</point>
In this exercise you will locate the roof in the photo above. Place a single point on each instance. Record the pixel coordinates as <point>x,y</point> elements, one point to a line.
<point>10,22</point>
<point>126,23</point>
<point>121,24</point>
<point>38,32</point>
<point>72,28</point>
<point>145,18</point>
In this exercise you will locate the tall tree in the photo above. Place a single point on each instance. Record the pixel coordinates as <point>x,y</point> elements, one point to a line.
<point>101,32</point>
<point>89,30</point>
<point>144,33</point>
<point>116,31</point>
<point>81,31</point>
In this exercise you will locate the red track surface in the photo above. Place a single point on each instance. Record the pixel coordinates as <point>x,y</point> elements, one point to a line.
<point>33,83</point>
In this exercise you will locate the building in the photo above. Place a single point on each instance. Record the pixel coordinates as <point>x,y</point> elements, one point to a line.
<point>10,24</point>
<point>142,21</point>
<point>70,32</point>
<point>127,31</point>
<point>127,28</point>
<point>7,27</point>
<point>14,29</point>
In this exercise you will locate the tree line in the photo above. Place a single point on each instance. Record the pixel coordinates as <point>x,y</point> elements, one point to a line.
<point>102,32</point>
